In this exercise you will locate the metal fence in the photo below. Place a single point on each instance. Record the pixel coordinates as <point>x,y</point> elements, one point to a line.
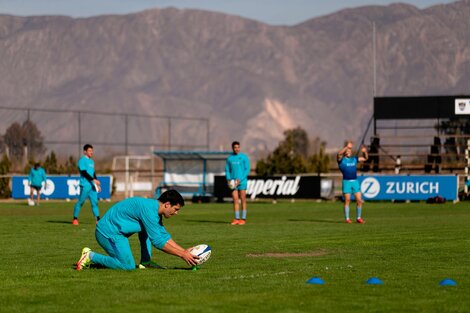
<point>66,131</point>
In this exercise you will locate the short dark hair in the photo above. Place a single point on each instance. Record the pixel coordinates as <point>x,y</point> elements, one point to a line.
<point>87,146</point>
<point>37,165</point>
<point>172,196</point>
<point>235,143</point>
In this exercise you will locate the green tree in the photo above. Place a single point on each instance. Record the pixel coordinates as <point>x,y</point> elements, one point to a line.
<point>289,157</point>
<point>319,162</point>
<point>13,139</point>
<point>5,166</point>
<point>70,166</point>
<point>18,137</point>
<point>51,166</point>
<point>28,166</point>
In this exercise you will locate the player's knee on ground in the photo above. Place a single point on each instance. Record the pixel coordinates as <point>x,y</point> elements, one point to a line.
<point>126,266</point>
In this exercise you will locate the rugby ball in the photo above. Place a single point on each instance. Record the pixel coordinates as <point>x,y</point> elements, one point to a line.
<point>97,188</point>
<point>202,251</point>
<point>232,184</point>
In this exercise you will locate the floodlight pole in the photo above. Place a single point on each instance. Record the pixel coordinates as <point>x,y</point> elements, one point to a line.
<point>374,52</point>
<point>79,134</point>
<point>126,134</point>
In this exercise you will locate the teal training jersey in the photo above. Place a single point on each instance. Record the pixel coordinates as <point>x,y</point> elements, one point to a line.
<point>131,216</point>
<point>237,166</point>
<point>88,165</point>
<point>37,177</point>
<point>348,167</point>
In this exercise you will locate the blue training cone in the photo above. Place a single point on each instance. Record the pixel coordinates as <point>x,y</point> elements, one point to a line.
<point>315,281</point>
<point>447,282</point>
<point>374,281</point>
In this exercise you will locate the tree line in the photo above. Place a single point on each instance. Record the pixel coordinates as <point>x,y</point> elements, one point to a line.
<point>23,146</point>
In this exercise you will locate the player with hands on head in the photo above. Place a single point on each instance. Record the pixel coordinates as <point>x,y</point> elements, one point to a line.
<point>136,215</point>
<point>347,164</point>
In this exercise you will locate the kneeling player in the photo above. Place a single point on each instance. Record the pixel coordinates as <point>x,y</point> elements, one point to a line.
<point>136,215</point>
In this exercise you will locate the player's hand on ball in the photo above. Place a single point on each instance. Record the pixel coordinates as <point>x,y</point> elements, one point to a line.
<point>190,258</point>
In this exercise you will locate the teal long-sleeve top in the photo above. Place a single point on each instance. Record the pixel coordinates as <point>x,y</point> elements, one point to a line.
<point>37,176</point>
<point>237,166</point>
<point>131,216</point>
<point>86,167</point>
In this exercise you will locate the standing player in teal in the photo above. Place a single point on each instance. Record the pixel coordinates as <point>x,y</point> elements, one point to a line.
<point>347,165</point>
<point>89,184</point>
<point>237,168</point>
<point>136,215</point>
<point>37,177</point>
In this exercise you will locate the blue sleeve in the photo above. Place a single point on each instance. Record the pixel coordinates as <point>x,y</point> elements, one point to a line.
<point>157,233</point>
<point>228,175</point>
<point>92,171</point>
<point>81,165</point>
<point>30,177</point>
<point>44,177</point>
<point>247,165</point>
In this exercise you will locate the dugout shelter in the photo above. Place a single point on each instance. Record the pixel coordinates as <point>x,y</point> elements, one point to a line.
<point>191,172</point>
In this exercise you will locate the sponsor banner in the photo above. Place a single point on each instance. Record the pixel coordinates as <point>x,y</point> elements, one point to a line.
<point>408,187</point>
<point>58,187</point>
<point>304,187</point>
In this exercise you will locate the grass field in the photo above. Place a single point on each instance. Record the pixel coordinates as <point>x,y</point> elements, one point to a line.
<point>262,266</point>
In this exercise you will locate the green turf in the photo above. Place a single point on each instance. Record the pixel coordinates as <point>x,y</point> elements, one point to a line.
<point>410,247</point>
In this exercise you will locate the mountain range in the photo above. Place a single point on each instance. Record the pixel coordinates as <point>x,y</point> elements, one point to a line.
<point>252,80</point>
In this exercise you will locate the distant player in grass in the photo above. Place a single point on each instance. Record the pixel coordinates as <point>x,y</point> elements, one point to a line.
<point>348,166</point>
<point>37,177</point>
<point>136,215</point>
<point>237,168</point>
<point>89,184</point>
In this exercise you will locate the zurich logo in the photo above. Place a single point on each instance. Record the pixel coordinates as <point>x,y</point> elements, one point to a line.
<point>370,187</point>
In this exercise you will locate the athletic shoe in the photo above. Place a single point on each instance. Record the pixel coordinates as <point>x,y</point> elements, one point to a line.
<point>85,260</point>
<point>150,264</point>
<point>235,222</point>
<point>75,221</point>
<point>360,221</point>
<point>348,221</point>
<point>241,222</point>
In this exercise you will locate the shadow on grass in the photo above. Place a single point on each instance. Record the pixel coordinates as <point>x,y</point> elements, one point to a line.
<point>101,267</point>
<point>60,222</point>
<point>208,222</point>
<point>316,221</point>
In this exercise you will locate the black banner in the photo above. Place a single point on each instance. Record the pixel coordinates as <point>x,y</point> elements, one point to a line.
<point>424,107</point>
<point>276,187</point>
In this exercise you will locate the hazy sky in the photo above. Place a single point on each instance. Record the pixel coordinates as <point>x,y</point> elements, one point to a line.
<point>285,12</point>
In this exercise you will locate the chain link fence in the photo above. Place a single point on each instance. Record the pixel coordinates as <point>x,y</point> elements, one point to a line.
<point>66,131</point>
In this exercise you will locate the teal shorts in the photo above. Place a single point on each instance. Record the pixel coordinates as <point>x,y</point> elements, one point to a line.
<point>351,186</point>
<point>243,185</point>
